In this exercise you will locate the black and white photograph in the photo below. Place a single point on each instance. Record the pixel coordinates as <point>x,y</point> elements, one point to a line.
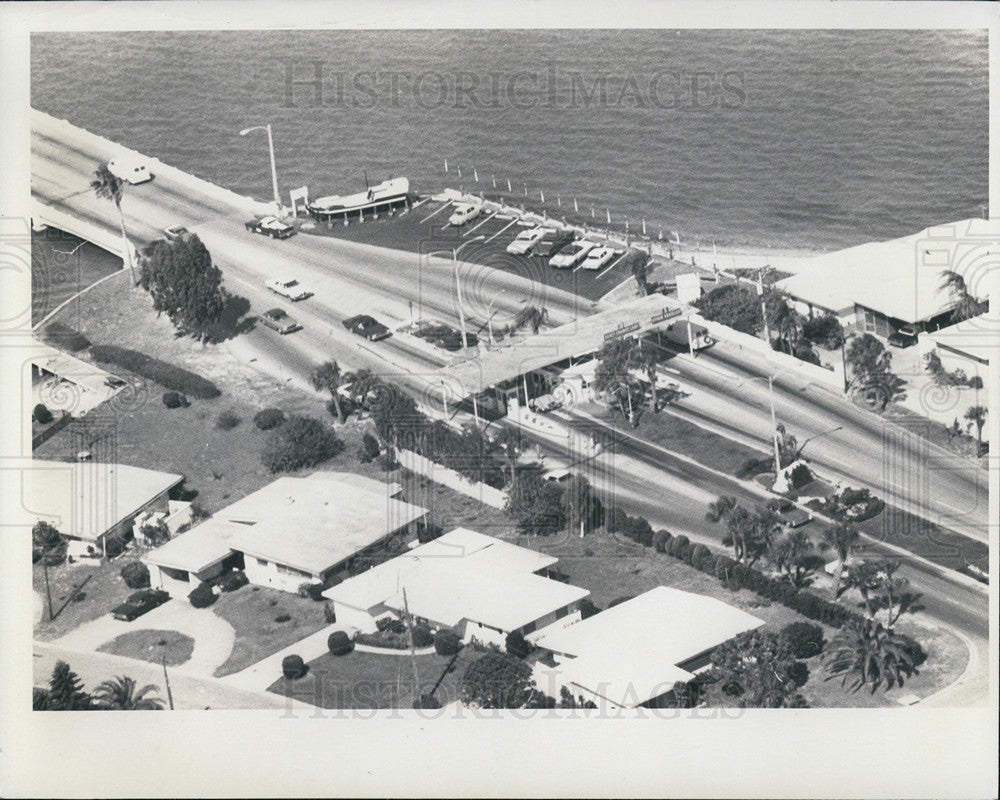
<point>550,376</point>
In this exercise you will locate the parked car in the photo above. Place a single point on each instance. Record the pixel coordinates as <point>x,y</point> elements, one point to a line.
<point>465,212</point>
<point>790,514</point>
<point>443,336</point>
<point>130,169</point>
<point>278,320</point>
<point>553,243</point>
<point>904,337</point>
<point>368,327</point>
<point>289,287</point>
<point>572,254</point>
<point>270,226</point>
<point>525,241</point>
<point>176,232</point>
<point>545,402</point>
<point>138,603</point>
<point>598,257</point>
<point>558,475</point>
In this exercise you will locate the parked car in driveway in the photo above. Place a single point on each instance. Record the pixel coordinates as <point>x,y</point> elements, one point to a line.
<point>288,287</point>
<point>904,337</point>
<point>138,603</point>
<point>790,514</point>
<point>598,257</point>
<point>277,319</point>
<point>572,254</point>
<point>368,327</point>
<point>525,241</point>
<point>270,226</point>
<point>464,212</point>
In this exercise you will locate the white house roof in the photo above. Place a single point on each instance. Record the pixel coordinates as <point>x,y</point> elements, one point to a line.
<point>663,626</point>
<point>198,548</point>
<point>621,678</point>
<point>314,523</point>
<point>86,499</point>
<point>901,278</point>
<point>976,337</point>
<point>462,575</point>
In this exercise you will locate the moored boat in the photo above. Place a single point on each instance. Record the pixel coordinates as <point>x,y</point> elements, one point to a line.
<point>386,193</point>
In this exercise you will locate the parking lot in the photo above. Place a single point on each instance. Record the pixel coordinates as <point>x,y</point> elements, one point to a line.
<point>424,228</point>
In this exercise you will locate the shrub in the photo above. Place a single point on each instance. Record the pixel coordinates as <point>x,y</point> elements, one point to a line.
<point>135,574</point>
<point>64,336</point>
<point>283,618</point>
<point>390,624</point>
<point>615,519</point>
<point>851,497</point>
<point>314,591</point>
<point>369,449</point>
<point>799,673</point>
<point>227,420</point>
<point>202,596</point>
<point>587,608</point>
<point>975,382</point>
<point>41,414</point>
<point>422,636</point>
<point>293,667</point>
<point>913,648</point>
<point>517,646</point>
<point>446,642</point>
<point>824,331</point>
<point>269,418</point>
<point>800,476</point>
<point>702,558</point>
<point>680,547</point>
<point>175,400</point>
<point>661,541</point>
<point>39,699</point>
<point>114,544</point>
<point>386,639</point>
<point>804,638</point>
<point>754,466</point>
<point>339,643</point>
<point>233,581</point>
<point>329,614</point>
<point>300,442</point>
<point>167,375</point>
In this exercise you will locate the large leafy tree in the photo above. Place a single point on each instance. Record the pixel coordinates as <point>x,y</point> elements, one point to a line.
<point>749,534</point>
<point>966,305</point>
<point>511,443</point>
<point>718,510</point>
<point>755,670</point>
<point>733,305</point>
<point>871,369</point>
<point>497,680</point>
<point>108,186</point>
<point>46,541</point>
<point>792,555</point>
<point>613,376</point>
<point>66,690</point>
<point>842,538</point>
<point>535,503</point>
<point>882,590</point>
<point>184,284</point>
<point>121,693</point>
<point>300,442</point>
<point>580,505</point>
<point>977,416</point>
<point>865,653</point>
<point>328,376</point>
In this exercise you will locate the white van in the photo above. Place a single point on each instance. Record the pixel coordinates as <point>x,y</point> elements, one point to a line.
<point>132,170</point>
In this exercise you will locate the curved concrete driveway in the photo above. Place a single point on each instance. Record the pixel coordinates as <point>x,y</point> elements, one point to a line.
<point>213,636</point>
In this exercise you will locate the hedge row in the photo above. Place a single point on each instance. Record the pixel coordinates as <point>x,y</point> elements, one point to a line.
<point>167,375</point>
<point>731,573</point>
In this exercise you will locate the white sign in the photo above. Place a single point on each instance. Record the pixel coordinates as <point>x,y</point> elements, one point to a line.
<point>688,287</point>
<point>302,193</point>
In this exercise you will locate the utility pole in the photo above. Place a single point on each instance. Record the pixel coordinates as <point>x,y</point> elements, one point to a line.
<point>166,680</point>
<point>48,591</point>
<point>413,651</point>
<point>774,427</point>
<point>763,305</point>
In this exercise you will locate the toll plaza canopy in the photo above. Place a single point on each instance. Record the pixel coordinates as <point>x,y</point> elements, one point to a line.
<point>585,335</point>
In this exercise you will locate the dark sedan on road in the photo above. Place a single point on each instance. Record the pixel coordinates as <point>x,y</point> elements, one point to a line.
<point>790,514</point>
<point>368,327</point>
<point>270,226</point>
<point>139,603</point>
<point>278,320</point>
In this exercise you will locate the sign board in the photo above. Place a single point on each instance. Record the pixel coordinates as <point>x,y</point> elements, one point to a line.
<point>688,287</point>
<point>622,330</point>
<point>663,316</point>
<point>302,193</point>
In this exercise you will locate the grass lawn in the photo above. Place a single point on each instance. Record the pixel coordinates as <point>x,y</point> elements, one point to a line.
<point>151,645</point>
<point>102,589</point>
<point>374,680</point>
<point>251,610</point>
<point>680,436</point>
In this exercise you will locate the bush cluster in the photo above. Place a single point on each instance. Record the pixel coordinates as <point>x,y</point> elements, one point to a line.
<point>387,639</point>
<point>233,581</point>
<point>41,414</point>
<point>804,638</point>
<point>824,331</point>
<point>175,400</point>
<point>390,624</point>
<point>167,375</point>
<point>339,643</point>
<point>313,591</point>
<point>293,667</point>
<point>369,449</point>
<point>269,418</point>
<point>227,420</point>
<point>115,544</point>
<point>446,642</point>
<point>202,596</point>
<point>135,574</point>
<point>300,442</point>
<point>422,636</point>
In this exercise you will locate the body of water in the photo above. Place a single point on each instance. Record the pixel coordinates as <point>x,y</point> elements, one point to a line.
<point>771,139</point>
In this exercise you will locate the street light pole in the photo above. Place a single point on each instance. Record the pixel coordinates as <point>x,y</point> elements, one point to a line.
<point>763,305</point>
<point>270,148</point>
<point>489,312</point>
<point>774,427</point>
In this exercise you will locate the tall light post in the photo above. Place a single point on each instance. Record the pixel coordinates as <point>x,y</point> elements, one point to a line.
<point>270,147</point>
<point>490,312</point>
<point>763,304</point>
<point>774,422</point>
<point>458,284</point>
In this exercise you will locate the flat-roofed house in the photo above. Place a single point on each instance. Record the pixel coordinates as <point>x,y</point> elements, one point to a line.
<point>633,653</point>
<point>290,532</point>
<point>483,587</point>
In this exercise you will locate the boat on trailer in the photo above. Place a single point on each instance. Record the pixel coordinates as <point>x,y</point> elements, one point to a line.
<point>386,193</point>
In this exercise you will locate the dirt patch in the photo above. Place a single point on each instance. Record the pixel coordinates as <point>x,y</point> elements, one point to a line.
<point>152,645</point>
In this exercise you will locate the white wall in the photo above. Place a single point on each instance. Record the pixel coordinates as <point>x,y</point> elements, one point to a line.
<point>355,617</point>
<point>268,574</point>
<point>447,477</point>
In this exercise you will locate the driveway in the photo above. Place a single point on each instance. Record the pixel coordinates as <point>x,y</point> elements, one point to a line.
<point>213,636</point>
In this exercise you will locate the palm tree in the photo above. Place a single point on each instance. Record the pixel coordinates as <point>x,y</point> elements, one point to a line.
<point>868,654</point>
<point>966,305</point>
<point>328,376</point>
<point>121,694</point>
<point>108,186</point>
<point>719,509</point>
<point>842,538</point>
<point>977,416</point>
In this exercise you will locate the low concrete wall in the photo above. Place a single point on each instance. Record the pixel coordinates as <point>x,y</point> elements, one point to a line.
<point>69,223</point>
<point>448,477</point>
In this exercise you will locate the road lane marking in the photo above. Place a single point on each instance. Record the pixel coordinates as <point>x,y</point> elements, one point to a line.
<point>612,265</point>
<point>495,235</point>
<point>479,225</point>
<point>438,211</point>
